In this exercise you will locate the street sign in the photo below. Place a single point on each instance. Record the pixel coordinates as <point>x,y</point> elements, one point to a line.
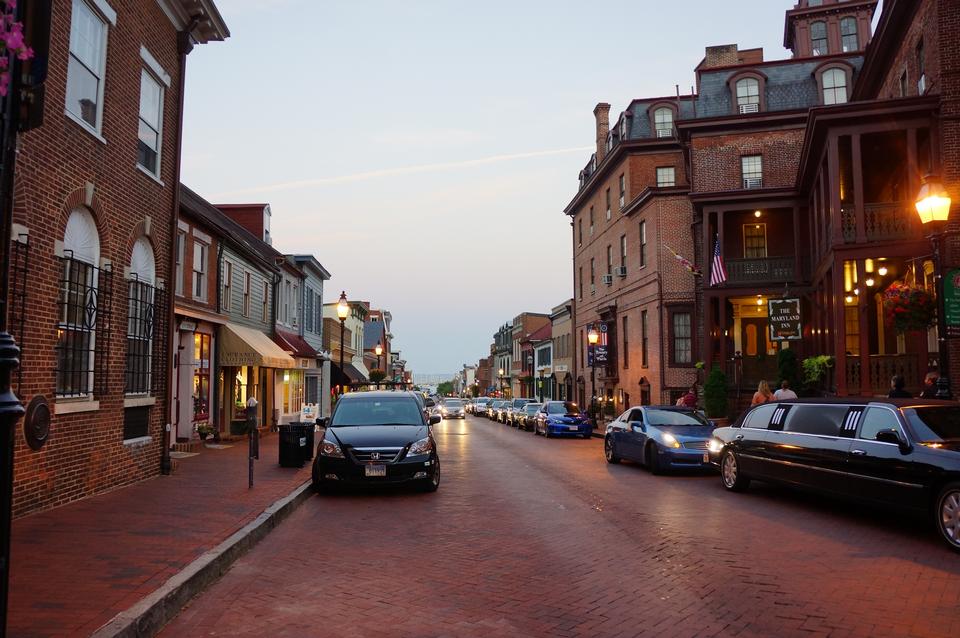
<point>951,302</point>
<point>783,317</point>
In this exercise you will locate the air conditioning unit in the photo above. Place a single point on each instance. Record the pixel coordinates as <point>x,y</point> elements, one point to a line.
<point>621,271</point>
<point>922,84</point>
<point>749,108</point>
<point>664,132</point>
<point>593,289</point>
<point>606,279</point>
<point>753,182</point>
<point>293,322</point>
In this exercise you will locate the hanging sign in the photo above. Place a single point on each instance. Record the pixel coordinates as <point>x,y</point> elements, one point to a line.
<point>951,302</point>
<point>783,317</point>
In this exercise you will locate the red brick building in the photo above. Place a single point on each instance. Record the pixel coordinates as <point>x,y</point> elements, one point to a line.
<point>95,213</point>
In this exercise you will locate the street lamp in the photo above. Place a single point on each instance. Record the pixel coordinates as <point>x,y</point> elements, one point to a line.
<point>593,337</point>
<point>933,207</point>
<point>343,311</point>
<point>500,377</point>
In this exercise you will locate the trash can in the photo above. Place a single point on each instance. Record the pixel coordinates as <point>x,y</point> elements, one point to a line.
<point>310,428</point>
<point>292,442</point>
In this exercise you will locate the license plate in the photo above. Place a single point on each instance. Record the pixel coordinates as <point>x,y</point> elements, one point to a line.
<point>706,457</point>
<point>375,470</point>
<point>573,427</point>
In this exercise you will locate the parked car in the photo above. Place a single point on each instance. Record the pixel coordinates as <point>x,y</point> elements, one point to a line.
<point>895,452</point>
<point>513,409</point>
<point>452,409</point>
<point>377,438</point>
<point>494,408</point>
<point>525,417</point>
<point>561,418</point>
<point>660,438</point>
<point>468,405</point>
<point>502,411</point>
<point>481,405</point>
<point>432,406</point>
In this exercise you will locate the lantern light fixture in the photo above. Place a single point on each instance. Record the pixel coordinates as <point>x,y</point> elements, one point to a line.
<point>933,201</point>
<point>882,271</point>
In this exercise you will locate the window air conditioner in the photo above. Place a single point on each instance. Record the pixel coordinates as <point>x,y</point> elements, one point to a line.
<point>606,279</point>
<point>622,271</point>
<point>664,132</point>
<point>753,182</point>
<point>749,108</point>
<point>593,289</point>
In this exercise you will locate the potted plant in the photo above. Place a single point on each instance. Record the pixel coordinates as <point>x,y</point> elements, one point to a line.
<point>908,307</point>
<point>715,396</point>
<point>204,431</point>
<point>815,370</point>
<point>788,367</point>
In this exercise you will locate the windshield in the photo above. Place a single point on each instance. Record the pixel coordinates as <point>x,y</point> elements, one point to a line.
<point>934,423</point>
<point>518,403</point>
<point>562,408</point>
<point>674,417</point>
<point>531,408</point>
<point>453,404</point>
<point>385,411</point>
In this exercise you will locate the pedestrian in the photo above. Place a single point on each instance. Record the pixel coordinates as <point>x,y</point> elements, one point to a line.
<point>689,400</point>
<point>784,393</point>
<point>763,394</point>
<point>930,386</point>
<point>897,391</point>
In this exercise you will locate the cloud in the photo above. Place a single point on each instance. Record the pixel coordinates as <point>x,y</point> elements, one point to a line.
<point>403,170</point>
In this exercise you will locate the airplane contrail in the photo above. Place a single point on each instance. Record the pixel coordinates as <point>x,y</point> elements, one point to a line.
<point>402,170</point>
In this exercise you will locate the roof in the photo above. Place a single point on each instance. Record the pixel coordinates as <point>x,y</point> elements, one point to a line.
<point>228,230</point>
<point>543,334</point>
<point>373,333</point>
<point>294,344</point>
<point>310,262</point>
<point>209,23</point>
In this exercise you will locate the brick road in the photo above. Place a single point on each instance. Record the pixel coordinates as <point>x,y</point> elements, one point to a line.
<point>535,537</point>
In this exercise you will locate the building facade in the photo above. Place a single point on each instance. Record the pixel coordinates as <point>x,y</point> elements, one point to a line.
<point>561,332</point>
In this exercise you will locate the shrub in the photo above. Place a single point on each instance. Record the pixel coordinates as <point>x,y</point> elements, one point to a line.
<point>715,394</point>
<point>788,367</point>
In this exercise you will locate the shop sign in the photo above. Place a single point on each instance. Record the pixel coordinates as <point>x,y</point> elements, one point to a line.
<point>951,302</point>
<point>783,317</point>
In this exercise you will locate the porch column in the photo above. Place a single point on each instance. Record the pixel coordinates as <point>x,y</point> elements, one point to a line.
<point>837,329</point>
<point>860,211</point>
<point>797,273</point>
<point>863,299</point>
<point>722,312</point>
<point>913,185</point>
<point>833,188</point>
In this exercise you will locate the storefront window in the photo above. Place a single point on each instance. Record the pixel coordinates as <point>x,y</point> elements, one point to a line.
<point>201,377</point>
<point>240,391</point>
<point>292,391</point>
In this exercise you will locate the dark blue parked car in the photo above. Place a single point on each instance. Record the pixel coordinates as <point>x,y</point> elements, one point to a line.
<point>561,418</point>
<point>659,437</point>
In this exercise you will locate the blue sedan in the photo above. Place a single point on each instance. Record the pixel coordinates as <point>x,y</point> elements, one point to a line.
<point>561,418</point>
<point>660,437</point>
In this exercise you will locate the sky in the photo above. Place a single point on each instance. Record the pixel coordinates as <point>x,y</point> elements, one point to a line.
<point>424,150</point>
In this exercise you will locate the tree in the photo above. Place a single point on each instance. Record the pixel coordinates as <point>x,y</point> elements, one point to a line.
<point>377,375</point>
<point>445,388</point>
<point>788,367</point>
<point>715,394</point>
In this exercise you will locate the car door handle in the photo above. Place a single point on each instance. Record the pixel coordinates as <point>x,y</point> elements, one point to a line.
<point>739,437</point>
<point>858,452</point>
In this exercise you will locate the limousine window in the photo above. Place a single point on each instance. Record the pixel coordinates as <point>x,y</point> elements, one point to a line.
<point>934,423</point>
<point>876,419</point>
<point>760,417</point>
<point>824,420</point>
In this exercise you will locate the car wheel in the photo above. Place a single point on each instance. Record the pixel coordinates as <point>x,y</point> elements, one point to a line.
<point>731,476</point>
<point>653,460</point>
<point>431,484</point>
<point>609,452</point>
<point>947,514</point>
<point>546,432</point>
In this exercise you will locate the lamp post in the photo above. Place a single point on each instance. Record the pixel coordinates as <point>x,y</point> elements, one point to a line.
<point>379,351</point>
<point>592,338</point>
<point>343,311</point>
<point>933,207</point>
<point>500,382</point>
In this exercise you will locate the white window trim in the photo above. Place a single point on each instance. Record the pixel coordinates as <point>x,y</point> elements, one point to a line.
<point>163,95</point>
<point>107,13</point>
<point>202,236</point>
<point>154,66</point>
<point>64,405</point>
<point>149,174</point>
<point>206,274</point>
<point>105,10</point>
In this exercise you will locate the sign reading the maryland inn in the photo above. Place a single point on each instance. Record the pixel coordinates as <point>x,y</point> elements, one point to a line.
<point>784,319</point>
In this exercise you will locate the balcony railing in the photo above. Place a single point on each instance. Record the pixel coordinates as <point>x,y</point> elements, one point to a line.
<point>768,269</point>
<point>882,222</point>
<point>882,369</point>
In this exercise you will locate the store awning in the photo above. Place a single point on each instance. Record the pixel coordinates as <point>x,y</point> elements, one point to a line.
<point>242,346</point>
<point>350,371</point>
<point>294,344</point>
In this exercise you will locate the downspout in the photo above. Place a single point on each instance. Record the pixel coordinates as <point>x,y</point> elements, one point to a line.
<point>184,46</point>
<point>573,308</point>
<point>663,359</point>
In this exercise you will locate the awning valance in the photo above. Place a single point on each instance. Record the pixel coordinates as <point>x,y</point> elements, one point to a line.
<point>242,346</point>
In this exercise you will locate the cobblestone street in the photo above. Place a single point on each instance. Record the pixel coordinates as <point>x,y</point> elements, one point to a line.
<point>534,537</point>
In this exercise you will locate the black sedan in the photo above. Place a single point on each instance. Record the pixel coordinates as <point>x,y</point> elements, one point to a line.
<point>899,452</point>
<point>377,438</point>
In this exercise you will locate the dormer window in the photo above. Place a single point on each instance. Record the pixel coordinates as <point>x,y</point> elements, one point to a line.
<point>818,38</point>
<point>834,86</point>
<point>848,35</point>
<point>748,95</point>
<point>814,3</point>
<point>921,71</point>
<point>622,127</point>
<point>663,122</point>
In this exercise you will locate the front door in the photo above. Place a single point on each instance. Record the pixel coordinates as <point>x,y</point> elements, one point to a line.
<point>753,336</point>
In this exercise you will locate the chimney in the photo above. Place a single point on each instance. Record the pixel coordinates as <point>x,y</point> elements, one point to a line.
<point>602,113</point>
<point>722,55</point>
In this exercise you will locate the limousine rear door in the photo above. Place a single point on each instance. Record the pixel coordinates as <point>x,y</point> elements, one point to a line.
<point>883,471</point>
<point>749,440</point>
<point>810,450</point>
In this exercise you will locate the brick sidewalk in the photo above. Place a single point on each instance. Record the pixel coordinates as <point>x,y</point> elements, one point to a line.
<point>75,567</point>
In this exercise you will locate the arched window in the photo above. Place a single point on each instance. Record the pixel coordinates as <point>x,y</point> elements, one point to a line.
<point>834,86</point>
<point>818,38</point>
<point>141,296</point>
<point>663,121</point>
<point>77,322</point>
<point>748,95</point>
<point>848,35</point>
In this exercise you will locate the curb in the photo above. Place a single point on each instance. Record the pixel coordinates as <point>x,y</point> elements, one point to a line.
<point>149,615</point>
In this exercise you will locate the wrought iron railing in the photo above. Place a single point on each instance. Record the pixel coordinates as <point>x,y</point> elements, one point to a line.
<point>84,328</point>
<point>881,370</point>
<point>768,269</point>
<point>888,221</point>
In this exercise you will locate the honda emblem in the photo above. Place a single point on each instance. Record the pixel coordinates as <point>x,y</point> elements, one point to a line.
<point>375,456</point>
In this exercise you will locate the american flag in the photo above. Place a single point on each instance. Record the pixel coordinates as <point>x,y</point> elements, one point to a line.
<point>718,274</point>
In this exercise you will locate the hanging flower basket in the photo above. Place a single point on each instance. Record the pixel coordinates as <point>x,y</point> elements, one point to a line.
<point>908,308</point>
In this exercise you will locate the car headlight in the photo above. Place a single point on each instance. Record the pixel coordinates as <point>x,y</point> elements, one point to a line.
<point>715,445</point>
<point>331,449</point>
<point>670,440</point>
<point>423,446</point>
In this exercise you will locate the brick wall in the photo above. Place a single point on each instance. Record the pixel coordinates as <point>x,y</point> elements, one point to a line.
<point>85,453</point>
<point>717,165</point>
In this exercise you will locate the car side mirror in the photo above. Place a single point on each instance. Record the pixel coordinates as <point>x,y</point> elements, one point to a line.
<point>435,419</point>
<point>638,425</point>
<point>322,421</point>
<point>892,436</point>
